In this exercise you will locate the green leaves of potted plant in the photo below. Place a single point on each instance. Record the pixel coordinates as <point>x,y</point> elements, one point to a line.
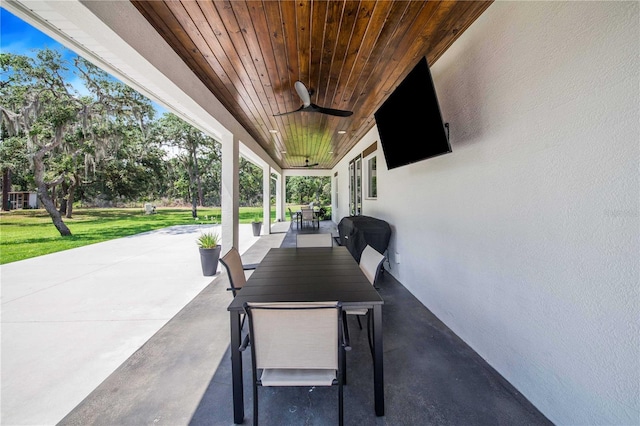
<point>209,247</point>
<point>256,223</point>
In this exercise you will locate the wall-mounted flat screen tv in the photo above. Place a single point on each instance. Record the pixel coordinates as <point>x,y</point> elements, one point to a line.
<point>409,122</point>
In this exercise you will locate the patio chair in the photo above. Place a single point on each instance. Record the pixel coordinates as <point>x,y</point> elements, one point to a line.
<point>297,344</point>
<point>308,215</point>
<point>314,240</point>
<point>235,269</point>
<point>232,262</point>
<point>296,215</point>
<point>371,265</point>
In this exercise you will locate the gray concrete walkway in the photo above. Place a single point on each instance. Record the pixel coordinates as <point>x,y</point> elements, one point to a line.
<point>69,319</point>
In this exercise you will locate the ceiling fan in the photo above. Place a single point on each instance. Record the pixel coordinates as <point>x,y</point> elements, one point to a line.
<point>305,96</point>
<point>306,163</point>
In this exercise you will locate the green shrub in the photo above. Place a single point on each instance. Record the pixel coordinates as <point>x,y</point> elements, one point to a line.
<point>208,240</point>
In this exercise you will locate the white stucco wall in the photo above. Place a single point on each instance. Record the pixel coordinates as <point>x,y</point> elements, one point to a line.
<point>525,239</point>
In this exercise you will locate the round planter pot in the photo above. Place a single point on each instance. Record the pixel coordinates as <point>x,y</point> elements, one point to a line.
<point>209,259</point>
<point>257,227</point>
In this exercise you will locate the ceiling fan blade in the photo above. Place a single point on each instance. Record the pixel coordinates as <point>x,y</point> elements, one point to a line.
<point>289,112</point>
<point>307,106</point>
<point>303,92</point>
<point>306,164</point>
<point>331,111</point>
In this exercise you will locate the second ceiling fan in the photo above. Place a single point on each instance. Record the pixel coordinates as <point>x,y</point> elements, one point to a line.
<point>308,106</point>
<point>307,164</point>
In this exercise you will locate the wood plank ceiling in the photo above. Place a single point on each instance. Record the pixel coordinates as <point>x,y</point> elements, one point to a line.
<point>350,54</point>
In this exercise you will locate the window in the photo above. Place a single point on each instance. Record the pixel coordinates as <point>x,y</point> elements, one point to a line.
<point>371,163</point>
<point>372,177</point>
<point>335,186</point>
<point>355,186</point>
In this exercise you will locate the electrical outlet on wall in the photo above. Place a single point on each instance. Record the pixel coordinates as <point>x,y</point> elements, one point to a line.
<point>397,257</point>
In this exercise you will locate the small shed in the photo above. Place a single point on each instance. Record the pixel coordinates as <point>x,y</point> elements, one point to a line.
<point>23,200</point>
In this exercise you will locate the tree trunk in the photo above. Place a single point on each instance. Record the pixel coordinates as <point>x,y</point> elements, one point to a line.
<point>71,192</point>
<point>6,188</point>
<point>63,203</point>
<point>196,175</point>
<point>43,192</point>
<point>51,193</point>
<point>194,207</point>
<point>63,207</point>
<point>56,218</point>
<point>193,191</point>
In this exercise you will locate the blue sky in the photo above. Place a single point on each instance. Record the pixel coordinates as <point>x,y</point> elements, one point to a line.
<point>18,37</point>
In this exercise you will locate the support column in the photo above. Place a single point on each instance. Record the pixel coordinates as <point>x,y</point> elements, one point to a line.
<point>230,191</point>
<point>280,212</point>
<point>266,200</point>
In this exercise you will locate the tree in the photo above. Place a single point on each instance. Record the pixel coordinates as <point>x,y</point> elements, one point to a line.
<point>190,144</point>
<point>250,183</point>
<point>66,134</point>
<point>305,189</point>
<point>34,105</point>
<point>211,174</point>
<point>114,129</point>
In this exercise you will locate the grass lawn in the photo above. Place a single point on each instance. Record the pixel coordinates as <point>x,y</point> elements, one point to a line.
<point>30,233</point>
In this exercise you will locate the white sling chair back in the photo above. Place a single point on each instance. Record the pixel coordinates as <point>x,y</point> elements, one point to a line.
<point>235,269</point>
<point>296,344</point>
<point>232,263</point>
<point>308,215</point>
<point>314,240</point>
<point>370,264</point>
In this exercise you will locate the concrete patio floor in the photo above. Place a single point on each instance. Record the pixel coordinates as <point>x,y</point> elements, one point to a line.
<point>69,319</point>
<point>181,375</point>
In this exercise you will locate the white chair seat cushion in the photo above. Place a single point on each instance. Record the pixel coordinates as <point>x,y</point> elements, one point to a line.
<point>297,377</point>
<point>356,311</point>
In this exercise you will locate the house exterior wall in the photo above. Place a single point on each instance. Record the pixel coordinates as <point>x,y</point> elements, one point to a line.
<point>525,239</point>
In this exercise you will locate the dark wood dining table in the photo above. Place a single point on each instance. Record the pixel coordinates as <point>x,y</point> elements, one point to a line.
<point>308,274</point>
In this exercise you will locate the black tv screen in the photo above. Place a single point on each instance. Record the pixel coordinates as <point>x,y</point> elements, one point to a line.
<point>410,123</point>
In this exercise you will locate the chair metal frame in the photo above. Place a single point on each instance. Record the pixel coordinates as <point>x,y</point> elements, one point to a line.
<point>232,261</point>
<point>371,262</point>
<point>300,351</point>
<point>297,216</point>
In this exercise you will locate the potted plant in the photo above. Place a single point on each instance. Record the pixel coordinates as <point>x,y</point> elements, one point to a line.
<point>257,226</point>
<point>209,246</point>
<point>322,213</point>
